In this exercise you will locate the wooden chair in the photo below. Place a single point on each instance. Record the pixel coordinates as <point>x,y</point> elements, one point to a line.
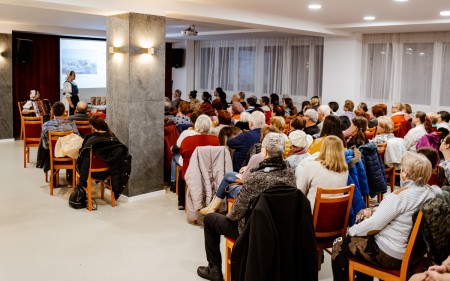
<point>287,126</point>
<point>32,127</point>
<point>58,163</point>
<point>370,132</point>
<point>397,127</point>
<point>229,243</point>
<point>20,105</point>
<point>390,171</point>
<point>330,216</point>
<point>84,127</point>
<point>96,165</point>
<point>386,274</point>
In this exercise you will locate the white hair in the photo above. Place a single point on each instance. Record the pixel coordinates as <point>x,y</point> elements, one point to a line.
<point>312,114</point>
<point>325,109</point>
<point>257,119</point>
<point>203,124</point>
<point>244,116</point>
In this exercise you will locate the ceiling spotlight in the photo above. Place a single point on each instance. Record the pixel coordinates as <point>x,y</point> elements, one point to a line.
<point>190,31</point>
<point>401,0</point>
<point>315,6</point>
<point>445,13</point>
<point>369,18</point>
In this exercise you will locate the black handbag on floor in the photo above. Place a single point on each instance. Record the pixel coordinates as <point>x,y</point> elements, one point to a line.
<point>78,198</point>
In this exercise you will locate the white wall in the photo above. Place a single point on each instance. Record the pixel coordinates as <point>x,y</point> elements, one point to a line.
<point>183,77</point>
<point>342,70</point>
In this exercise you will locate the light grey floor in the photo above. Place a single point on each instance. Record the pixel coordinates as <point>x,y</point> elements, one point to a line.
<point>42,238</point>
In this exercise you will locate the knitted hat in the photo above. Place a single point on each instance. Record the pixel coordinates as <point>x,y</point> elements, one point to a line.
<point>300,139</point>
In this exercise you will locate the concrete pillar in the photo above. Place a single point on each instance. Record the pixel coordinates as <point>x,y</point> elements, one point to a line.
<point>135,95</point>
<point>6,110</point>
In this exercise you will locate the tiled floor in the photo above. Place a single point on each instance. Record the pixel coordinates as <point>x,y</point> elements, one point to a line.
<point>42,238</point>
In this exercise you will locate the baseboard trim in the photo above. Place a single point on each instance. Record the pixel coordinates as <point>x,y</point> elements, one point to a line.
<point>131,199</point>
<point>6,140</point>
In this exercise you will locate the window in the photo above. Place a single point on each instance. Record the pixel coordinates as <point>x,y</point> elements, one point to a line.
<point>207,61</point>
<point>417,69</point>
<point>299,70</point>
<point>379,68</point>
<point>246,69</point>
<point>226,68</point>
<point>273,69</point>
<point>445,76</point>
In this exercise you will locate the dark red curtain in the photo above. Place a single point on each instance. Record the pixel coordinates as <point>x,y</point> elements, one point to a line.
<point>40,73</point>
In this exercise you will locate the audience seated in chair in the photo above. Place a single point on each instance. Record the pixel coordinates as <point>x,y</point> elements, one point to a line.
<point>81,114</point>
<point>242,142</point>
<point>385,130</point>
<point>58,124</point>
<point>445,149</point>
<point>109,149</point>
<point>423,126</point>
<point>203,137</point>
<point>271,171</point>
<point>232,182</point>
<point>329,169</point>
<point>381,238</point>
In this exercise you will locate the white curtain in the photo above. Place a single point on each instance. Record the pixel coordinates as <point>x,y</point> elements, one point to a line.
<point>261,66</point>
<point>412,68</point>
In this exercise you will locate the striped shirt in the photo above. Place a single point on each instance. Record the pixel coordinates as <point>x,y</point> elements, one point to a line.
<point>393,218</point>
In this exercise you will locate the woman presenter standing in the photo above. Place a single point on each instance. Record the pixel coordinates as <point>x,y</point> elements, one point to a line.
<point>70,92</point>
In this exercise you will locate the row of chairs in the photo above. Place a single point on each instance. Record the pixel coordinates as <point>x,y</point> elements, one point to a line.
<point>31,137</point>
<point>330,218</point>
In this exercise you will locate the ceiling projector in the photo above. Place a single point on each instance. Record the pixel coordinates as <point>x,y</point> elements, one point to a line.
<point>190,31</point>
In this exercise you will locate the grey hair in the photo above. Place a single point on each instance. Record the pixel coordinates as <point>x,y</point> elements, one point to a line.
<point>257,119</point>
<point>312,114</point>
<point>274,144</point>
<point>203,124</point>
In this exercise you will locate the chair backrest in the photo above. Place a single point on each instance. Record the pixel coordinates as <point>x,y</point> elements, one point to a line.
<point>397,127</point>
<point>96,164</point>
<point>32,128</point>
<point>332,210</point>
<point>407,258</point>
<point>382,150</point>
<point>53,138</point>
<point>371,132</point>
<point>84,127</point>
<point>20,106</point>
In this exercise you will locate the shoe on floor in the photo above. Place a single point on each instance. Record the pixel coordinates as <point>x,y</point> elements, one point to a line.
<point>213,273</point>
<point>181,208</point>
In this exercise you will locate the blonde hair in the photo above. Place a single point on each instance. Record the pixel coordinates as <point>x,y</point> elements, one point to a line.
<point>278,122</point>
<point>386,123</point>
<point>417,167</point>
<point>332,154</point>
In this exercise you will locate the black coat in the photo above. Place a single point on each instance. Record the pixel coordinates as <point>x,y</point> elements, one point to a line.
<point>376,174</point>
<point>109,149</point>
<point>278,242</point>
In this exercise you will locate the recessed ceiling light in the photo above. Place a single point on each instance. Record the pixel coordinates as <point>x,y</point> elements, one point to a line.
<point>369,18</point>
<point>401,0</point>
<point>445,13</point>
<point>315,6</point>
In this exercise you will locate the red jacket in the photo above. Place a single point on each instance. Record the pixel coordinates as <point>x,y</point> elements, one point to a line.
<point>190,143</point>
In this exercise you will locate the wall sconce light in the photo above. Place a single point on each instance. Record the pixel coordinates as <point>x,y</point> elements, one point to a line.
<point>115,50</point>
<point>149,51</point>
<point>3,54</point>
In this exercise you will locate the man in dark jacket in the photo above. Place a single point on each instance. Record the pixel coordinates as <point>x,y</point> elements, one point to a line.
<point>242,142</point>
<point>271,171</point>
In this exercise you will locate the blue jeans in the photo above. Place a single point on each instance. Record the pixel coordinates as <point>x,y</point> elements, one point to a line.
<point>227,179</point>
<point>173,167</point>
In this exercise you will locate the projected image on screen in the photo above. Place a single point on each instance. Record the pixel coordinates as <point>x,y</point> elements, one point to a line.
<point>87,58</point>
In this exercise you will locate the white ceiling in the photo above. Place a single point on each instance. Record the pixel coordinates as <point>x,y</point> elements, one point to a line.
<point>217,19</point>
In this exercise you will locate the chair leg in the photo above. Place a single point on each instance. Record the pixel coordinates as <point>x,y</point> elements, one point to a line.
<point>46,176</point>
<point>102,190</point>
<point>113,199</point>
<point>379,197</point>
<point>351,272</point>
<point>319,259</point>
<point>228,248</point>
<point>28,155</point>
<point>24,156</point>
<point>177,176</point>
<point>52,181</point>
<point>89,194</point>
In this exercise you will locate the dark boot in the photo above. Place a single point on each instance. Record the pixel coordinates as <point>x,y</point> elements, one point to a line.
<point>213,273</point>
